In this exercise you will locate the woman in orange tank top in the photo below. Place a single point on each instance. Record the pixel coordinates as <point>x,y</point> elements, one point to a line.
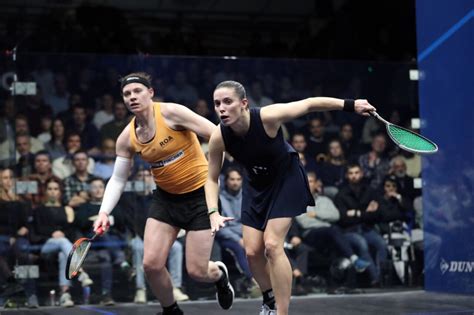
<point>164,135</point>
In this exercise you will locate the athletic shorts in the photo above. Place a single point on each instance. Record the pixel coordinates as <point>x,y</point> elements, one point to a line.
<point>288,196</point>
<point>186,211</point>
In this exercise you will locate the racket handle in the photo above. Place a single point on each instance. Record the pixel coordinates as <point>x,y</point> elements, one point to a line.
<point>100,230</point>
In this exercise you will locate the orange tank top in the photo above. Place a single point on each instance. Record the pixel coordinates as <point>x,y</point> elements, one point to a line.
<point>177,162</point>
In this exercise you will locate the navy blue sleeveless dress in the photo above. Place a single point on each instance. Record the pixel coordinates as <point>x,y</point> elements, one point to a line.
<point>278,186</point>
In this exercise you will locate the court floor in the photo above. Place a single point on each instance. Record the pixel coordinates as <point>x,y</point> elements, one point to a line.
<point>405,302</point>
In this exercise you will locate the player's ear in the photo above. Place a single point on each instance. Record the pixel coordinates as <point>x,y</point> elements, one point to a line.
<point>245,102</point>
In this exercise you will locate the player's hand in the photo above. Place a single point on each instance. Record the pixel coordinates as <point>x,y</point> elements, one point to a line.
<point>218,222</point>
<point>102,221</point>
<point>363,107</point>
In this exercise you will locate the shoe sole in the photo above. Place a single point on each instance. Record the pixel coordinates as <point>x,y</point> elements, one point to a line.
<point>223,267</point>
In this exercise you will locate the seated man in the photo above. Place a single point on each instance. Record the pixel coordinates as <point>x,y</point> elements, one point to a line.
<point>359,213</point>
<point>318,231</point>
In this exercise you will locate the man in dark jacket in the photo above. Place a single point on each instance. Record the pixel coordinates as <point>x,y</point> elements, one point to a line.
<point>359,212</point>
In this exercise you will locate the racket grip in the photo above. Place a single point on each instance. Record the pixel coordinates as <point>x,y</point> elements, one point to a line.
<point>100,230</point>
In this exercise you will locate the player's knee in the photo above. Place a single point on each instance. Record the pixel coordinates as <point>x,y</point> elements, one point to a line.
<point>253,254</point>
<point>273,248</point>
<point>152,266</point>
<point>198,273</point>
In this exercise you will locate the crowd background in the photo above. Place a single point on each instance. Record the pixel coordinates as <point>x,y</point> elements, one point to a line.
<point>57,145</point>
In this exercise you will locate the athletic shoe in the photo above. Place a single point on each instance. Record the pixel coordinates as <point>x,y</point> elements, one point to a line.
<point>32,301</point>
<point>140,296</point>
<point>225,292</point>
<point>84,279</point>
<point>360,265</point>
<point>179,295</point>
<point>65,300</point>
<point>265,310</point>
<point>107,300</point>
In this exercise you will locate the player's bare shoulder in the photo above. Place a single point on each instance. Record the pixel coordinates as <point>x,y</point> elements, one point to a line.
<point>123,145</point>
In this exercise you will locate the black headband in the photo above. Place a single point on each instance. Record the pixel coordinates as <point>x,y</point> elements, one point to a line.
<point>134,79</point>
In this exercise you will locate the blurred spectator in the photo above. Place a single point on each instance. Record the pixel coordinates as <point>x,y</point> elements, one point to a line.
<point>348,142</point>
<point>63,166</point>
<point>88,132</point>
<point>7,132</point>
<point>332,170</point>
<point>181,91</point>
<point>372,127</point>
<point>375,165</point>
<point>318,230</point>
<point>256,97</point>
<point>112,129</point>
<point>36,107</point>
<point>394,206</point>
<point>317,143</point>
<point>298,142</point>
<point>52,224</point>
<point>287,93</point>
<point>55,146</point>
<point>25,164</point>
<point>41,174</point>
<point>76,186</point>
<point>106,113</point>
<point>45,128</point>
<point>14,231</point>
<point>413,163</point>
<point>359,211</point>
<point>59,99</point>
<point>44,77</point>
<point>398,168</point>
<point>22,127</point>
<point>201,108</point>
<point>105,160</point>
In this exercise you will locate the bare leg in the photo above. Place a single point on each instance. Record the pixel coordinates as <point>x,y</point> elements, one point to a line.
<point>279,265</point>
<point>198,253</point>
<point>255,251</point>
<point>159,238</point>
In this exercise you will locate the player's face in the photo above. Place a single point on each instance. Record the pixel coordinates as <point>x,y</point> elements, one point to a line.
<point>136,97</point>
<point>228,106</point>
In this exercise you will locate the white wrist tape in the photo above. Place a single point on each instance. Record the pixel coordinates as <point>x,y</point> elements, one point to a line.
<point>116,184</point>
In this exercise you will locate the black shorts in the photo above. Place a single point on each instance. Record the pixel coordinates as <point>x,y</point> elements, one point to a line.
<point>186,211</point>
<point>288,196</point>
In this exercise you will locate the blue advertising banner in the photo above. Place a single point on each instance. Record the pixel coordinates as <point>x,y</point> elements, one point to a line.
<point>445,35</point>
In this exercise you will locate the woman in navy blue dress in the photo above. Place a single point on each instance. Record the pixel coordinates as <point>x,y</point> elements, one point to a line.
<point>278,188</point>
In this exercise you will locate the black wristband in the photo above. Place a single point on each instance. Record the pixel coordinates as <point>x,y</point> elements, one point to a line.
<point>349,105</point>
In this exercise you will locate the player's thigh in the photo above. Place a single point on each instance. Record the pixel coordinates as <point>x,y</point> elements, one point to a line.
<point>253,241</point>
<point>158,239</point>
<point>276,231</point>
<point>198,249</point>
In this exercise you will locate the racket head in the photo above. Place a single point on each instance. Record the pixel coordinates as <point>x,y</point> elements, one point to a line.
<point>410,141</point>
<point>76,257</point>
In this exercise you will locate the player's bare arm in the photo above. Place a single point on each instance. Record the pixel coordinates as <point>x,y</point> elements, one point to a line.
<point>179,117</point>
<point>275,115</point>
<point>216,153</point>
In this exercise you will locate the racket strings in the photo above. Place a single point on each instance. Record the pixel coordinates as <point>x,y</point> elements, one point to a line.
<point>411,139</point>
<point>78,257</point>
